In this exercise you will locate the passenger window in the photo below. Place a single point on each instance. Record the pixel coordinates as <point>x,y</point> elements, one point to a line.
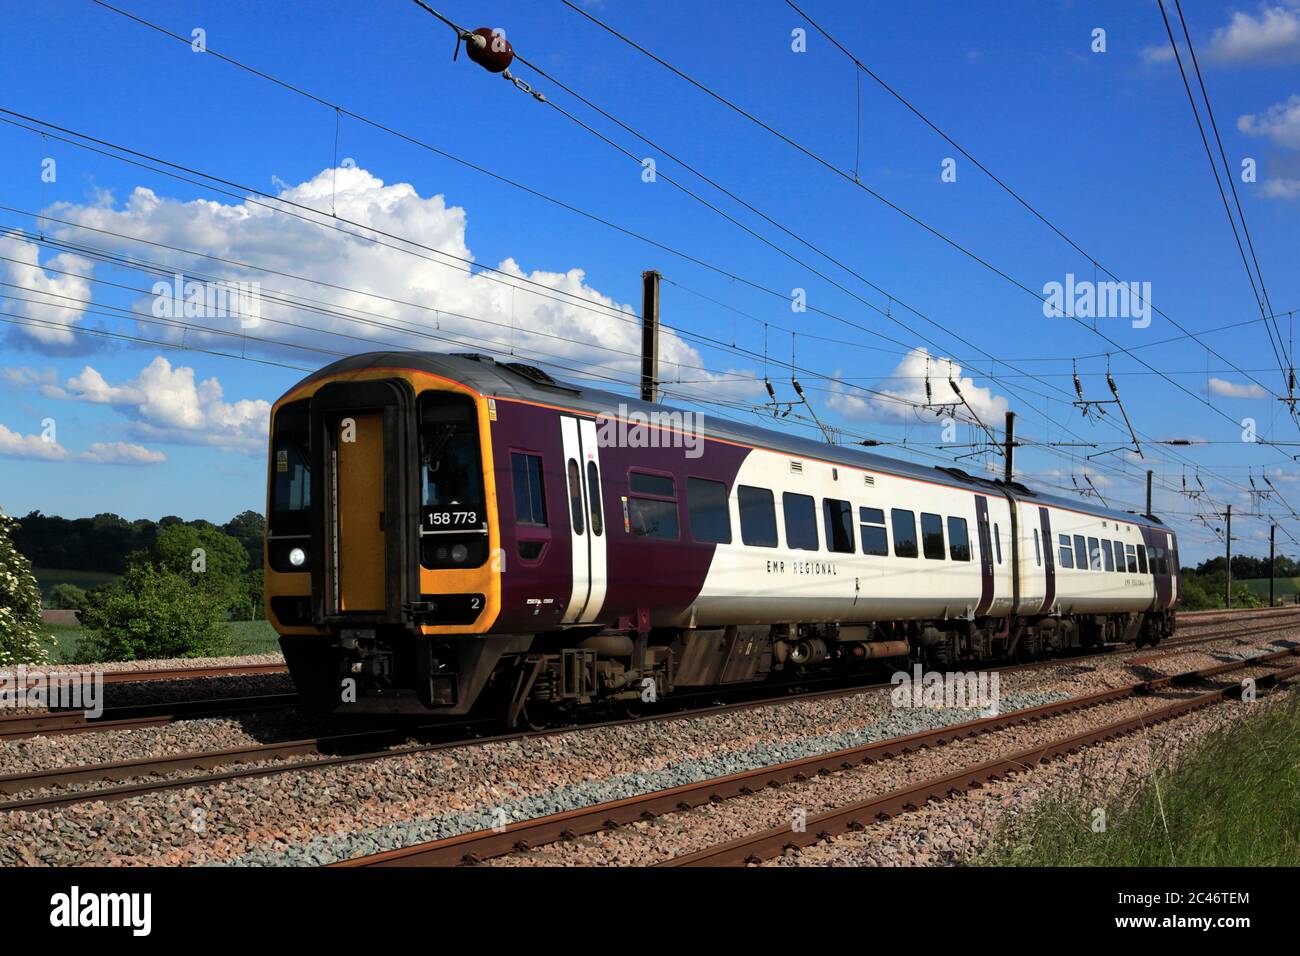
<point>1067,555</point>
<point>639,483</point>
<point>1119,556</point>
<point>875,540</point>
<point>838,518</point>
<point>800,522</point>
<point>932,536</point>
<point>904,523</point>
<point>1132,559</point>
<point>1108,556</point>
<point>706,507</point>
<point>530,499</point>
<point>1094,554</point>
<point>997,542</point>
<point>652,517</point>
<point>1038,550</point>
<point>1080,553</point>
<point>593,499</point>
<point>757,516</point>
<point>958,539</point>
<point>1142,559</point>
<point>575,497</point>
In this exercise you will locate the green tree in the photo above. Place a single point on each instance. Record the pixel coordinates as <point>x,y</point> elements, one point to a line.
<point>67,596</point>
<point>153,612</point>
<point>1194,596</point>
<point>248,528</point>
<point>256,593</point>
<point>212,560</point>
<point>1243,596</point>
<point>21,633</point>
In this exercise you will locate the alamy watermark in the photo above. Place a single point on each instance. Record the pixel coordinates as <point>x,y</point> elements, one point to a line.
<point>71,690</point>
<point>1085,299</point>
<point>630,428</point>
<point>979,690</point>
<point>182,298</point>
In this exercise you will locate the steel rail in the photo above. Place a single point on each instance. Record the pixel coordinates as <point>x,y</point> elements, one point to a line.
<point>137,715</point>
<point>858,816</point>
<point>484,844</point>
<point>329,746</point>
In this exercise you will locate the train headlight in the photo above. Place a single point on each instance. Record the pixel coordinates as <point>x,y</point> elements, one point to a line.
<point>297,557</point>
<point>459,553</point>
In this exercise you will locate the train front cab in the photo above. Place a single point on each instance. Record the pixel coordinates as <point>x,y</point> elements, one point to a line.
<point>382,534</point>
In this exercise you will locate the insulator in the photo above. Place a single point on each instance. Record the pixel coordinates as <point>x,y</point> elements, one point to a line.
<point>492,51</point>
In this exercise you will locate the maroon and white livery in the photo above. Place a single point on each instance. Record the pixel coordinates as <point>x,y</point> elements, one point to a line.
<point>447,532</point>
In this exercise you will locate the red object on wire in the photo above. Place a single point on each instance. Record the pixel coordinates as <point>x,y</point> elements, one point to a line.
<point>495,54</point>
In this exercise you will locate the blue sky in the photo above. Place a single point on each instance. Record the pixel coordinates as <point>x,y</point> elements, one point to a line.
<point>1102,143</point>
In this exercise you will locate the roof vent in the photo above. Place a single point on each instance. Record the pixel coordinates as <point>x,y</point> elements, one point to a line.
<point>869,481</point>
<point>530,372</point>
<point>796,467</point>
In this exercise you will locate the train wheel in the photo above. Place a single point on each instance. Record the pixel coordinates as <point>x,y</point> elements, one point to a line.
<point>633,709</point>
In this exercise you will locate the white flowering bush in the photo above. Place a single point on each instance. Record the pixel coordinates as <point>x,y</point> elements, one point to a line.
<point>21,634</point>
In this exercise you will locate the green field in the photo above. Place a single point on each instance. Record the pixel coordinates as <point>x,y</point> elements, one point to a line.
<point>1232,803</point>
<point>245,637</point>
<point>1284,588</point>
<point>47,578</point>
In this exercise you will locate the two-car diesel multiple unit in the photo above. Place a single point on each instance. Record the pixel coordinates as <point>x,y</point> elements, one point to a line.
<point>448,532</point>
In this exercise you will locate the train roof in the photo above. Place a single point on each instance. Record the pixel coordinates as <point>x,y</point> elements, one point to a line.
<point>529,383</point>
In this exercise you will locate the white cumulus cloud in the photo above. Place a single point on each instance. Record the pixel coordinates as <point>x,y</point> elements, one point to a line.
<point>1280,123</point>
<point>45,301</point>
<point>891,398</point>
<point>1282,188</point>
<point>1270,36</point>
<point>437,298</point>
<point>121,453</point>
<point>16,445</point>
<point>1226,389</point>
<point>168,403</point>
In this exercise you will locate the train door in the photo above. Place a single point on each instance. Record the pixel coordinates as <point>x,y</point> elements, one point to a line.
<point>583,484</point>
<point>1049,560</point>
<point>1158,552</point>
<point>986,554</point>
<point>359,505</point>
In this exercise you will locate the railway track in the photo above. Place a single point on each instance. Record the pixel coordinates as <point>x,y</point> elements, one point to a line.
<point>481,845</point>
<point>138,776</point>
<point>134,716</point>
<point>144,715</point>
<point>179,673</point>
<point>774,842</point>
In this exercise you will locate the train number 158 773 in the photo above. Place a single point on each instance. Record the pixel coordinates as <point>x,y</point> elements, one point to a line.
<point>452,519</point>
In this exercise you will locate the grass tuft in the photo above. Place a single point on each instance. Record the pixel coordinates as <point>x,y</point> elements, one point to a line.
<point>1235,801</point>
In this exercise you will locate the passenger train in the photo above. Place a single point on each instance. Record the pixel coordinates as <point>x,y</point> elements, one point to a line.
<point>449,533</point>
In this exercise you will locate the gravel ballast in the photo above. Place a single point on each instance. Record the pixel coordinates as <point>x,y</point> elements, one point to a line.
<point>321,815</point>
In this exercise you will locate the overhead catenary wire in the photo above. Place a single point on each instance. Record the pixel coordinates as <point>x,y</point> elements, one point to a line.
<point>1261,300</point>
<point>653,144</point>
<point>408,138</point>
<point>1001,183</point>
<point>183,38</point>
<point>740,110</point>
